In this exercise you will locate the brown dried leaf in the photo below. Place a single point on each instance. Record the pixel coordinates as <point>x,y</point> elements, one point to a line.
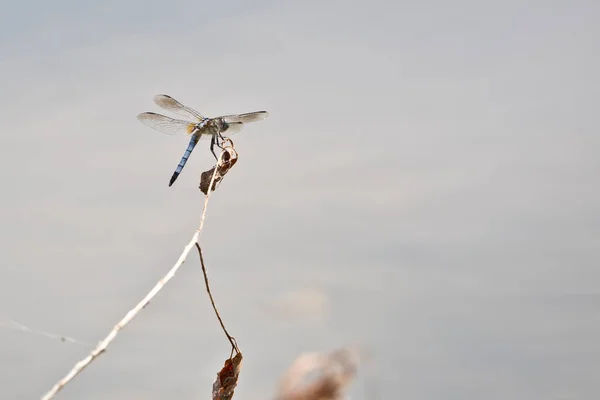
<point>226,381</point>
<point>228,159</point>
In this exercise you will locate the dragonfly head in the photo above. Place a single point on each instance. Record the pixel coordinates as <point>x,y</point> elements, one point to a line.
<point>223,126</point>
<point>227,127</point>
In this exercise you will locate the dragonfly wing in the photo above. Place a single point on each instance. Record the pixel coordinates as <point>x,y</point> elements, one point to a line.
<point>168,103</point>
<point>233,127</point>
<point>247,117</point>
<point>165,124</point>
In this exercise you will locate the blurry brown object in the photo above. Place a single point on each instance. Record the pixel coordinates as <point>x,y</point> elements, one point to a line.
<point>335,371</point>
<point>226,161</point>
<point>226,381</point>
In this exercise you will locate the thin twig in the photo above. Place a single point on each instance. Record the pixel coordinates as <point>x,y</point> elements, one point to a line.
<point>229,337</point>
<point>212,180</point>
<point>101,347</point>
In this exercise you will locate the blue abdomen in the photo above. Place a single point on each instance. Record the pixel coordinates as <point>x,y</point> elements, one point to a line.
<point>186,155</point>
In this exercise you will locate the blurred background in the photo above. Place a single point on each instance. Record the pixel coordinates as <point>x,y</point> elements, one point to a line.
<point>426,184</point>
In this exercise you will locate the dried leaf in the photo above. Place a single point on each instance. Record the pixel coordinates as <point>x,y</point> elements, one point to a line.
<point>228,159</point>
<point>226,381</point>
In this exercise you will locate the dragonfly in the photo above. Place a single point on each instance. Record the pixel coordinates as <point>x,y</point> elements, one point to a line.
<point>197,126</point>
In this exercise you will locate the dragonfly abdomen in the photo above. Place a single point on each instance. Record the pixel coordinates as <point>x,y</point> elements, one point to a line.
<point>186,155</point>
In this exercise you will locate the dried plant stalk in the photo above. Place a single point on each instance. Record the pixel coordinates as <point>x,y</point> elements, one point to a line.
<point>232,341</point>
<point>102,345</point>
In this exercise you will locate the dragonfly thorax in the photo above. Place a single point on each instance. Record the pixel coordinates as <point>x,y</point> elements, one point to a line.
<point>209,127</point>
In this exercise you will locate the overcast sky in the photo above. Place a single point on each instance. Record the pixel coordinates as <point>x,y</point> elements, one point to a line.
<point>426,184</point>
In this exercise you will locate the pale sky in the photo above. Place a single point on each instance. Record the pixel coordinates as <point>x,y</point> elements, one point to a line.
<point>426,184</point>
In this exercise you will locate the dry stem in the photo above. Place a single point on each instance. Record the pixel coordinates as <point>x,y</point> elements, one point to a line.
<point>102,345</point>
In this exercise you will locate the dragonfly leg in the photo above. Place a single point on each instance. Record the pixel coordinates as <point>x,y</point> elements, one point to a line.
<point>212,147</point>
<point>219,140</point>
<point>222,138</point>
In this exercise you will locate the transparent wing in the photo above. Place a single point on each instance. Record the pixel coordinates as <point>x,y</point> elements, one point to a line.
<point>166,125</point>
<point>247,117</point>
<point>168,103</point>
<point>232,127</point>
